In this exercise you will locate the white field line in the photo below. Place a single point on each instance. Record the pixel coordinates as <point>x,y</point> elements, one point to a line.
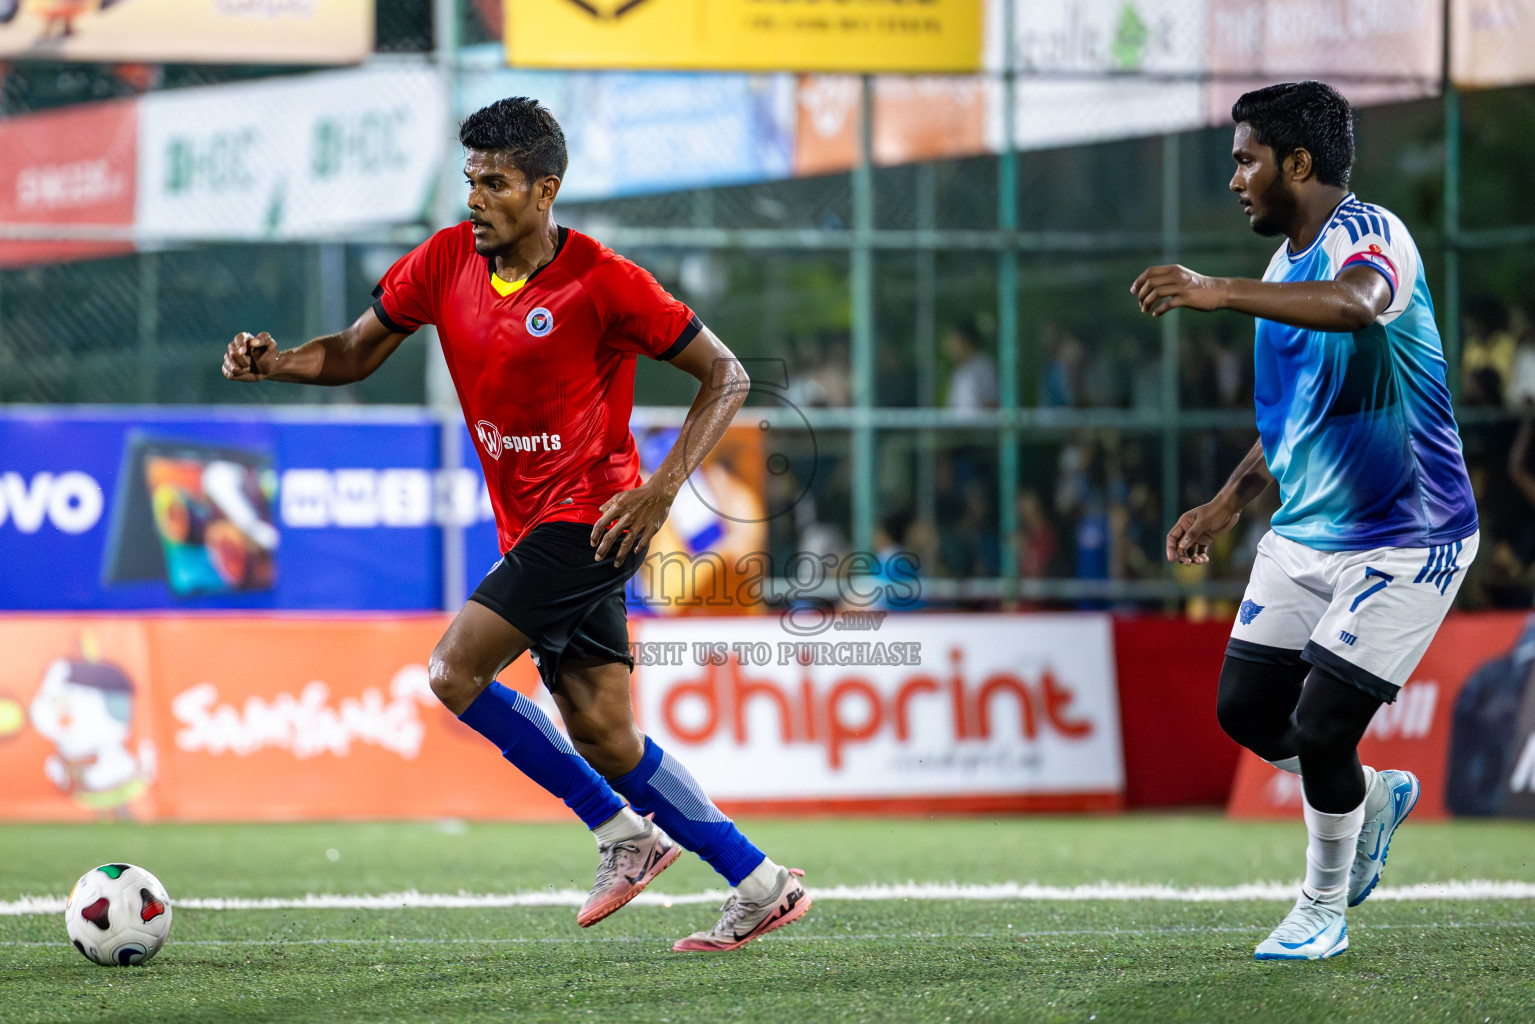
<point>840,938</point>
<point>1104,891</point>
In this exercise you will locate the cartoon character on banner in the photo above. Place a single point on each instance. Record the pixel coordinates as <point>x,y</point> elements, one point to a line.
<point>85,707</point>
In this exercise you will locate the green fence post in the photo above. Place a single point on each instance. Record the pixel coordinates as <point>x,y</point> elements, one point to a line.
<point>863,325</point>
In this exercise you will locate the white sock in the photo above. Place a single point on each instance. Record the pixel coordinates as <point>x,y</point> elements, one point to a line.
<point>623,825</point>
<point>758,886</point>
<point>1330,840</point>
<point>1288,764</point>
<point>1376,793</point>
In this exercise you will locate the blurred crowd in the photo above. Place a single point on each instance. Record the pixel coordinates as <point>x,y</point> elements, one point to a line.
<point>1497,374</point>
<point>1090,503</point>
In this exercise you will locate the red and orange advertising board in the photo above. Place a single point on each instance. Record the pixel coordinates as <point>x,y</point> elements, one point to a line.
<point>1415,733</point>
<point>268,718</point>
<point>69,167</point>
<point>239,718</point>
<point>197,31</point>
<point>915,119</point>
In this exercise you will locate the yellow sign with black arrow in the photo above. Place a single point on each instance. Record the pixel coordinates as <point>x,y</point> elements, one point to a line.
<point>746,35</point>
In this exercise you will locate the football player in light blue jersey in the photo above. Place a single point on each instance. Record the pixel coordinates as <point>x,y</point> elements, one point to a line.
<point>1376,522</point>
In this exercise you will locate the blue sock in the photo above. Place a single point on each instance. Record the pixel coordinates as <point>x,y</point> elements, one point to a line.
<point>659,785</point>
<point>529,740</point>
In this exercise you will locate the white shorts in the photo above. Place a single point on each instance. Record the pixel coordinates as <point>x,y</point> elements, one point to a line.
<point>1365,616</point>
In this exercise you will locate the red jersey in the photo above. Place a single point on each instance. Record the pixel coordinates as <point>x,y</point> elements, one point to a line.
<point>544,368</point>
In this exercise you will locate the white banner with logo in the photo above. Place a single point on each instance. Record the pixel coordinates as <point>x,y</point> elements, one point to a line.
<point>292,157</point>
<point>1105,69</point>
<point>1002,711</point>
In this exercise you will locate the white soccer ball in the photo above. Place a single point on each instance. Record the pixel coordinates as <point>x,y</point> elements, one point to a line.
<point>118,915</point>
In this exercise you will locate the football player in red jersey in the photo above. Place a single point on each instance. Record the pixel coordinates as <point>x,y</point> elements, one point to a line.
<point>540,326</point>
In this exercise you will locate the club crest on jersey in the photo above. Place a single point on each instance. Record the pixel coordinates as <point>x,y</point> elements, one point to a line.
<point>539,322</point>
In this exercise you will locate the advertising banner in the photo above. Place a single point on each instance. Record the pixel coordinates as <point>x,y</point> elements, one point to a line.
<point>137,508</point>
<point>132,508</point>
<point>238,719</point>
<point>745,35</point>
<point>1492,42</point>
<point>1463,724</point>
<point>851,710</point>
<point>188,31</point>
<point>1106,69</point>
<point>319,154</point>
<point>628,134</point>
<point>72,166</point>
<point>1253,43</point>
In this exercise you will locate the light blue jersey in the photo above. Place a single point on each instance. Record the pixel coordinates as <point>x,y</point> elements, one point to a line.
<point>1357,428</point>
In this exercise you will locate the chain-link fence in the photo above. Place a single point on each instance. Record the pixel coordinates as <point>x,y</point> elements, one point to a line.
<point>958,328</point>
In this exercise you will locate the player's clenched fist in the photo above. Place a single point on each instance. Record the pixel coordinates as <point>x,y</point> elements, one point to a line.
<point>250,357</point>
<point>1159,289</point>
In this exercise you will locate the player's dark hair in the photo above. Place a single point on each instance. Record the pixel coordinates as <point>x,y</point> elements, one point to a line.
<point>1303,115</point>
<point>524,129</point>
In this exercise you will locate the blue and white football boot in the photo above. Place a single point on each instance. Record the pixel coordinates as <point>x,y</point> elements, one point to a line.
<point>1375,836</point>
<point>1314,930</point>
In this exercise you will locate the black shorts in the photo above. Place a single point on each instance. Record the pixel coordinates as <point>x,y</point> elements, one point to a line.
<point>554,592</point>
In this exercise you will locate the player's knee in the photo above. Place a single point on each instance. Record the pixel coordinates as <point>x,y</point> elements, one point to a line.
<point>1320,735</point>
<point>603,730</point>
<point>612,743</point>
<point>1241,710</point>
<point>452,680</point>
<point>1234,714</point>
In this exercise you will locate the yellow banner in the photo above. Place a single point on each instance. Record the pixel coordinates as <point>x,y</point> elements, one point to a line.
<point>746,35</point>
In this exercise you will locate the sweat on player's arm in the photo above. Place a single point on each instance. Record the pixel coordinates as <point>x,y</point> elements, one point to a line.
<point>1349,302</point>
<point>342,358</point>
<point>636,515</point>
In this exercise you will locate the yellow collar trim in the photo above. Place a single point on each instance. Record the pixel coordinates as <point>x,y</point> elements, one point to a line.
<point>505,288</point>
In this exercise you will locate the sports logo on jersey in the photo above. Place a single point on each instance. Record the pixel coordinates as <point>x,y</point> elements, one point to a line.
<point>490,436</point>
<point>497,443</point>
<point>539,322</point>
<point>1249,611</point>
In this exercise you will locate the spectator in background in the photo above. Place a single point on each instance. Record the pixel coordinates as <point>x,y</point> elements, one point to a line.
<point>1132,522</point>
<point>1211,372</point>
<point>973,376</point>
<point>1487,354</point>
<point>895,382</point>
<point>1520,470</point>
<point>903,583</point>
<point>1519,392</point>
<point>820,378</point>
<point>1061,385</point>
<point>1037,540</point>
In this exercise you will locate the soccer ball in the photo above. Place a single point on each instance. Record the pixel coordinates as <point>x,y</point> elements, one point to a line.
<point>118,915</point>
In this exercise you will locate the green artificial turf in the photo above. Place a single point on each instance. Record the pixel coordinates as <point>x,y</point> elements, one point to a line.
<point>876,961</point>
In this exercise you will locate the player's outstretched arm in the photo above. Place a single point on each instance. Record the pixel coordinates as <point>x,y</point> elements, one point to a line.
<point>631,518</point>
<point>340,358</point>
<point>1350,302</point>
<point>1189,539</point>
